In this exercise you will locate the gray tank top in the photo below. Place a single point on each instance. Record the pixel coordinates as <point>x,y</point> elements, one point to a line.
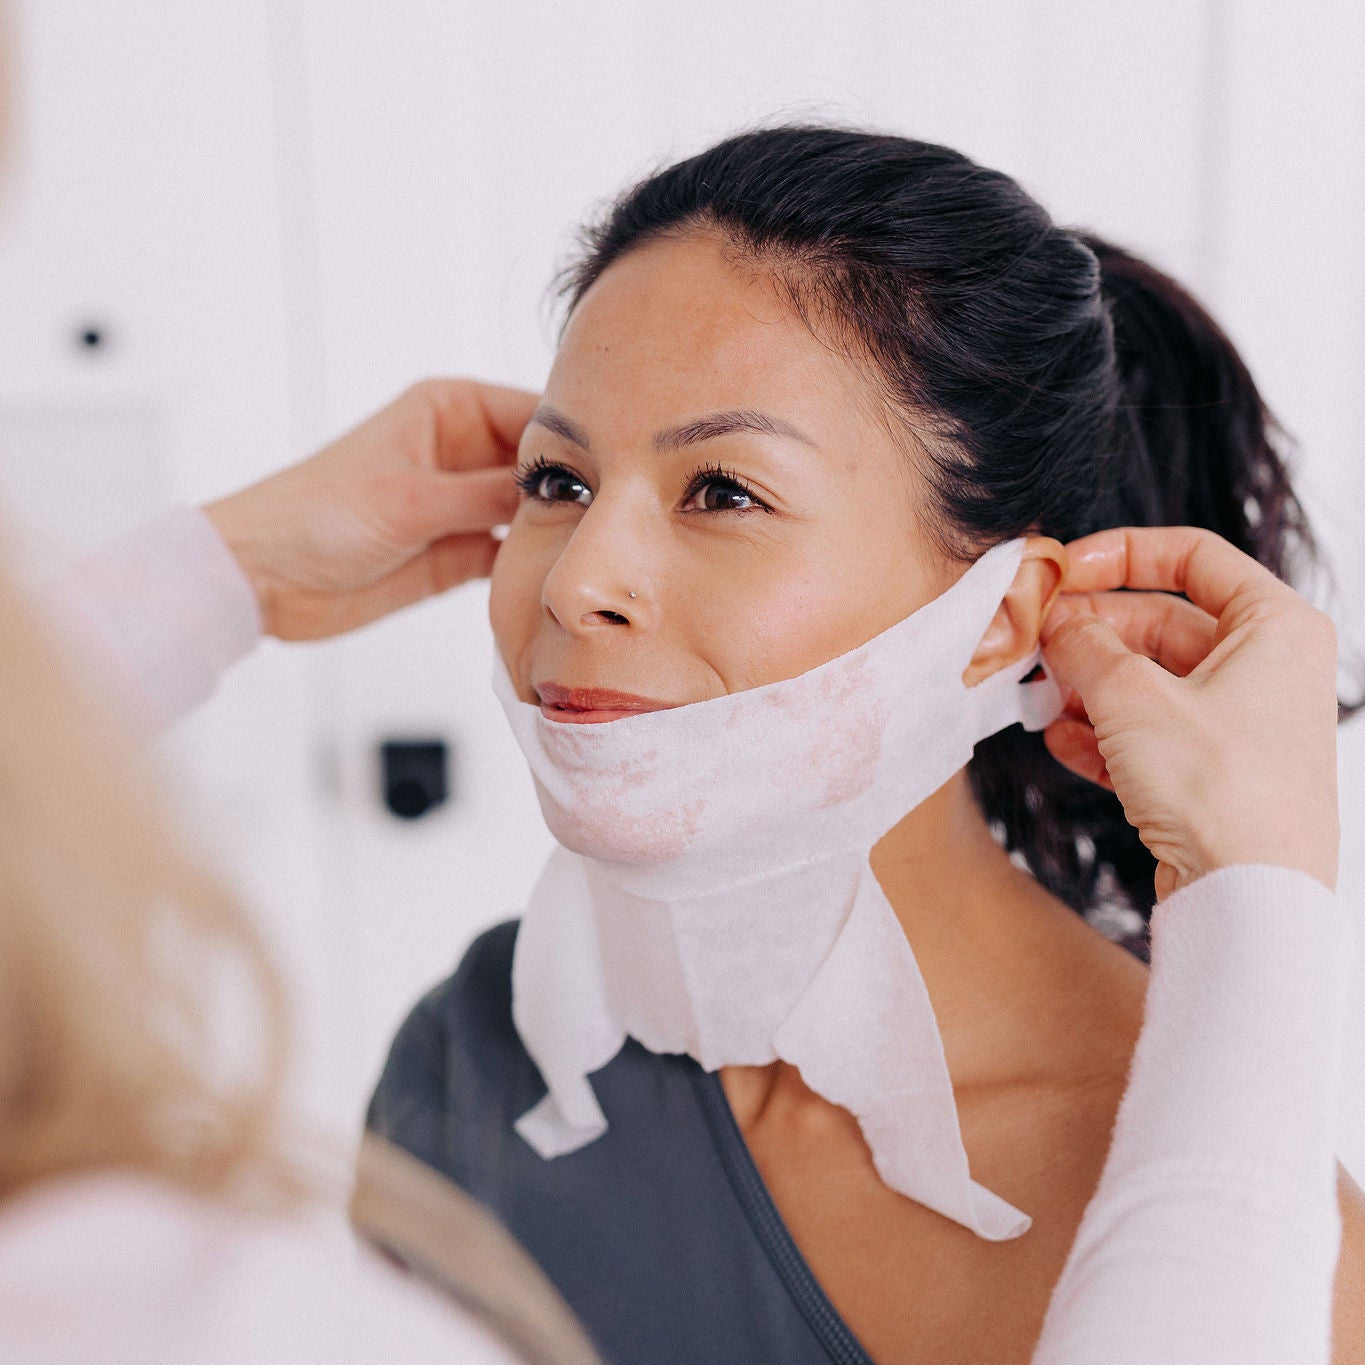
<point>660,1234</point>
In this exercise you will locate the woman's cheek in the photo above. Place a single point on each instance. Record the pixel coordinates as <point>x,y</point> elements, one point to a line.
<point>514,596</point>
<point>774,631</point>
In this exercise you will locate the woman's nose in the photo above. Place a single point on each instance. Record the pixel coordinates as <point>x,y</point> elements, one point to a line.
<point>600,580</point>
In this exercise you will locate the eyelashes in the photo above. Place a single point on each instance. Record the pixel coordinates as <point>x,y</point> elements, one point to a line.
<point>549,481</point>
<point>716,478</point>
<point>542,473</point>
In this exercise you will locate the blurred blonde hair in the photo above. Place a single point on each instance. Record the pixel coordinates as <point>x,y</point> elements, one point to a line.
<point>131,983</point>
<point>121,962</point>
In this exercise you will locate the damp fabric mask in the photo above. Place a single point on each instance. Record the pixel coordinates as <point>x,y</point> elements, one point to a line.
<point>712,893</point>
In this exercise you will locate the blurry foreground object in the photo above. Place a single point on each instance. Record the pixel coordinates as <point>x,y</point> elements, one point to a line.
<point>410,1210</point>
<point>118,955</point>
<point>152,1203</point>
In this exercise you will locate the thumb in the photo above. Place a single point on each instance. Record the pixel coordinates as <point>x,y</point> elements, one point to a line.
<point>432,505</point>
<point>1085,652</point>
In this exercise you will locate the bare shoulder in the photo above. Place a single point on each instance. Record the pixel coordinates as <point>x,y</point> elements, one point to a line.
<point>1348,1313</point>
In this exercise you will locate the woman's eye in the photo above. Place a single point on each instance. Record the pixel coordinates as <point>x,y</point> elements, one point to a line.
<point>713,491</point>
<point>552,483</point>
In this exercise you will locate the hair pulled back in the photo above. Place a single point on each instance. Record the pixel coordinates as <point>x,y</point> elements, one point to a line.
<point>1058,384</point>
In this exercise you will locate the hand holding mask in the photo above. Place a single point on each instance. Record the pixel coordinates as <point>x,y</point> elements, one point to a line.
<point>1212,714</point>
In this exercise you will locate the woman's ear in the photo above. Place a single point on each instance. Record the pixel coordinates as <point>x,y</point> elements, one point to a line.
<point>1014,630</point>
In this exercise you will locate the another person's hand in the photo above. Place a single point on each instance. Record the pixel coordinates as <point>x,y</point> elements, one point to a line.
<point>1214,718</point>
<point>398,509</point>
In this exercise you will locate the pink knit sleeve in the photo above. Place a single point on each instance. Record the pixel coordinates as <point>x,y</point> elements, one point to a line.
<point>158,615</point>
<point>1214,1233</point>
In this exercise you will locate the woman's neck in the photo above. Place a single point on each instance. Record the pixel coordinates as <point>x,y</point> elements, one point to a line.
<point>1004,962</point>
<point>1027,996</point>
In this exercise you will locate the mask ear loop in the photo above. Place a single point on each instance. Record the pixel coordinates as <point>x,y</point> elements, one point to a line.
<point>1040,698</point>
<point>1014,695</point>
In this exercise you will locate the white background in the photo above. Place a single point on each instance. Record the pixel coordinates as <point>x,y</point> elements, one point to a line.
<point>281,212</point>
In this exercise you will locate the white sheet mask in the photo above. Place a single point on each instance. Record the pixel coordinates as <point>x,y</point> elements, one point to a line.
<point>712,893</point>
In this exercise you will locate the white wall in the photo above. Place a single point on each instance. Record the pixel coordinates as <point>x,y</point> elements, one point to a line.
<point>145,196</point>
<point>286,210</point>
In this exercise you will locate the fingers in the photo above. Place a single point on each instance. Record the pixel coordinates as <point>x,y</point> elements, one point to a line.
<point>1174,632</point>
<point>474,501</point>
<point>417,506</point>
<point>506,411</point>
<point>458,559</point>
<point>1186,559</point>
<point>444,565</point>
<point>476,424</point>
<point>1072,743</point>
<point>1087,654</point>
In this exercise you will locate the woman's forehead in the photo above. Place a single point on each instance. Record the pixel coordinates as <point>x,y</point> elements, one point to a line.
<point>678,329</point>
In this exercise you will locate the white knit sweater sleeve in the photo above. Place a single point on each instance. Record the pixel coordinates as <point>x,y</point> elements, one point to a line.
<point>158,615</point>
<point>1214,1232</point>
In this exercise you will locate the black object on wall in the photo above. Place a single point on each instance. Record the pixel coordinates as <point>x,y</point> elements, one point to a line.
<point>415,776</point>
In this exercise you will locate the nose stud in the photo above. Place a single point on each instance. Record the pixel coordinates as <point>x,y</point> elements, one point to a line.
<point>634,594</point>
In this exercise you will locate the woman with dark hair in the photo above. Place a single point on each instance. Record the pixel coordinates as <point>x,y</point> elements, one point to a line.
<point>807,377</point>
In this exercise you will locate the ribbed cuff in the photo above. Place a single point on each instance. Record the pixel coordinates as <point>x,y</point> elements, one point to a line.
<point>1218,1203</point>
<point>168,607</point>
<point>1241,1049</point>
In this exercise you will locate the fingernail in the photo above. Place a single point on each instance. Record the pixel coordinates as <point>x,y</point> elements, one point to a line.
<point>1095,555</point>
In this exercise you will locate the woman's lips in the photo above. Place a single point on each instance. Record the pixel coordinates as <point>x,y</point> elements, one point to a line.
<point>591,705</point>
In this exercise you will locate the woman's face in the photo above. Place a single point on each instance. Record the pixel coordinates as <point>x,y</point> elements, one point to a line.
<point>712,498</point>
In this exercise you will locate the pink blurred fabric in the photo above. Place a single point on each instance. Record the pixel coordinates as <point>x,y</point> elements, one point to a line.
<point>126,1270</point>
<point>158,616</point>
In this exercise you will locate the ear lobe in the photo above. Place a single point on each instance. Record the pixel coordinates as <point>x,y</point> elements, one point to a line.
<point>1015,628</point>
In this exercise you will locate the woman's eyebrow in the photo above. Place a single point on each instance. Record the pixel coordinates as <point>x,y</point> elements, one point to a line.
<point>554,420</point>
<point>722,424</point>
<point>706,428</point>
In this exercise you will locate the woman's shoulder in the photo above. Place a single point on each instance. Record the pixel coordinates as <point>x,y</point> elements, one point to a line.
<point>485,970</point>
<point>475,1000</point>
<point>123,1267</point>
<point>458,1054</point>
